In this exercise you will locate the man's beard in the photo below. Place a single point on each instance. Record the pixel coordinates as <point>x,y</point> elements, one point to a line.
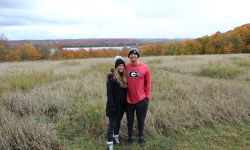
<point>133,59</point>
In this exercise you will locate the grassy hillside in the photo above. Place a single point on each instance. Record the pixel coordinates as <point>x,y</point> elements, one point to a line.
<point>198,102</point>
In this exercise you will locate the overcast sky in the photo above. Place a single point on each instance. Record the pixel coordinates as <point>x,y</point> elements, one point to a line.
<point>60,19</point>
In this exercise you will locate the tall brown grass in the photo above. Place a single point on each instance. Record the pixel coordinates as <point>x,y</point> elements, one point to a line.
<point>26,133</point>
<point>71,104</point>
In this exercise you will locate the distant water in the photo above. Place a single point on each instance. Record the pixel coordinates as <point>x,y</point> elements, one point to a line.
<point>93,48</point>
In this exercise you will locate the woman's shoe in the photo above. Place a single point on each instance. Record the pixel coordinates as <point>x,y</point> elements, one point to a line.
<point>116,139</point>
<point>110,145</point>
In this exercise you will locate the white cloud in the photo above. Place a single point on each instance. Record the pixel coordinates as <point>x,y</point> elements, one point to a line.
<point>43,19</point>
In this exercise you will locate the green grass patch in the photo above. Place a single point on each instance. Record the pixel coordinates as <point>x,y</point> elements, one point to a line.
<point>98,67</point>
<point>217,71</point>
<point>242,62</point>
<point>86,118</point>
<point>184,58</point>
<point>95,117</point>
<point>154,61</point>
<point>84,142</point>
<point>235,58</point>
<point>71,63</point>
<point>223,137</point>
<point>25,81</point>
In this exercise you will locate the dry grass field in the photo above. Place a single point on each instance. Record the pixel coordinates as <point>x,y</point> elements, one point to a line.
<point>198,102</point>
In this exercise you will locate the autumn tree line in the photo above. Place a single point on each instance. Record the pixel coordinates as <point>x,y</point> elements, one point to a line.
<point>233,41</point>
<point>28,51</point>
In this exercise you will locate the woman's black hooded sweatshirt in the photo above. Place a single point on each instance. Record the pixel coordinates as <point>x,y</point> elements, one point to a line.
<point>116,97</point>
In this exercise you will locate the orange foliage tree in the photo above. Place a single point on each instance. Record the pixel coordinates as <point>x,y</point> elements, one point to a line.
<point>27,52</point>
<point>190,47</point>
<point>151,49</point>
<point>171,48</point>
<point>12,55</point>
<point>124,51</point>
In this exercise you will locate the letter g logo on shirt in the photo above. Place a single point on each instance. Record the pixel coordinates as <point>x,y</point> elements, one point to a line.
<point>133,74</point>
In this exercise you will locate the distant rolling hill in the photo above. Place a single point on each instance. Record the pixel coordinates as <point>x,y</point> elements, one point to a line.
<point>96,42</point>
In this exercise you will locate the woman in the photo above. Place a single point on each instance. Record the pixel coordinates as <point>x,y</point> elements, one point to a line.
<point>116,100</point>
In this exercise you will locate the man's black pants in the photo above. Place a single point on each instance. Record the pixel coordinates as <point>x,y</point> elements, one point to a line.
<point>141,110</point>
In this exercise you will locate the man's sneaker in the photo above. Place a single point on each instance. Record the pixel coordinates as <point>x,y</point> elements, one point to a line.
<point>129,141</point>
<point>116,139</point>
<point>141,141</point>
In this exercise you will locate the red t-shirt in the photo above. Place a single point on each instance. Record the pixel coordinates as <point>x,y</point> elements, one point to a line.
<point>138,82</point>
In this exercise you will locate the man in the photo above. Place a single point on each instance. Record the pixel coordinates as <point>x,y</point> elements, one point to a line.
<point>138,76</point>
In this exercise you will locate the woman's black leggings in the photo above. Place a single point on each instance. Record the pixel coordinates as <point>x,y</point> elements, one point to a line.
<point>141,111</point>
<point>114,125</point>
